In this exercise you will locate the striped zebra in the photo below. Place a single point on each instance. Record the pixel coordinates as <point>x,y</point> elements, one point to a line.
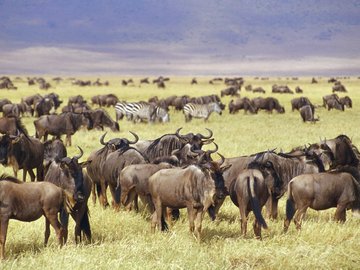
<point>191,110</point>
<point>141,112</point>
<point>161,115</point>
<point>120,110</point>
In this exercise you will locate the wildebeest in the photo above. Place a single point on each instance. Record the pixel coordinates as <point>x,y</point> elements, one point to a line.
<point>57,125</point>
<point>43,106</point>
<point>97,161</point>
<point>12,126</point>
<point>338,87</point>
<point>105,100</point>
<point>28,202</point>
<point>258,90</point>
<point>281,89</point>
<point>134,182</point>
<point>204,111</point>
<point>298,90</point>
<point>249,192</point>
<point>4,101</point>
<point>297,103</point>
<point>242,104</point>
<point>167,143</point>
<point>53,150</point>
<point>194,187</point>
<point>321,191</point>
<point>193,81</point>
<point>55,99</point>
<point>346,101</point>
<point>22,153</point>
<point>114,163</point>
<point>285,167</point>
<point>231,91</point>
<point>333,102</point>
<point>307,113</point>
<point>101,119</point>
<point>343,151</point>
<point>269,104</point>
<point>67,173</point>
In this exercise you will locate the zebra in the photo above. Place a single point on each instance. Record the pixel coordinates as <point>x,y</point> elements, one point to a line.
<point>141,111</point>
<point>161,115</point>
<point>120,110</point>
<point>191,110</point>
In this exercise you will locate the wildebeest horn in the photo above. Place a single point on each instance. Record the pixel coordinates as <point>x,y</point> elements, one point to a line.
<point>177,132</point>
<point>208,137</point>
<point>80,155</point>
<point>222,159</point>
<point>213,151</point>
<point>102,139</point>
<point>136,138</point>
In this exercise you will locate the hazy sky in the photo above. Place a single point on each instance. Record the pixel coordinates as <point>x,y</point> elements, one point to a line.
<point>183,37</point>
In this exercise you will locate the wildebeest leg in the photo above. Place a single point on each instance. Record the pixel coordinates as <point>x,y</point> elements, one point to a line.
<point>129,196</point>
<point>198,220</point>
<point>153,222</point>
<point>24,174</point>
<point>300,213</point>
<point>115,193</point>
<point>3,231</point>
<point>77,217</point>
<point>45,136</point>
<point>68,140</point>
<point>51,215</point>
<point>47,231</point>
<point>191,215</point>
<point>103,198</point>
<point>257,229</point>
<point>95,189</point>
<point>32,175</point>
<point>64,219</point>
<point>340,214</point>
<point>272,207</point>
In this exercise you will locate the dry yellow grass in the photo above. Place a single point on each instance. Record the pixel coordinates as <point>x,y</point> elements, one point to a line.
<point>123,240</point>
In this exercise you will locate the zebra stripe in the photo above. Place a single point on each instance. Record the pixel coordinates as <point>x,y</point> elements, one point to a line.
<point>140,111</point>
<point>161,114</point>
<point>191,110</point>
<point>120,110</point>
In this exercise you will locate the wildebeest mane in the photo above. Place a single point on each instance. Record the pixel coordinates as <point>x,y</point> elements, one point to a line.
<point>354,171</point>
<point>21,127</point>
<point>163,146</point>
<point>6,177</point>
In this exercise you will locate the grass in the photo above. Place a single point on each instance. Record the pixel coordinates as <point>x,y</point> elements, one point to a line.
<point>123,240</point>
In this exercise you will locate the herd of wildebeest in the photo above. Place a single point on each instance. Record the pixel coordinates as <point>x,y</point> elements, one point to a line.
<point>169,172</point>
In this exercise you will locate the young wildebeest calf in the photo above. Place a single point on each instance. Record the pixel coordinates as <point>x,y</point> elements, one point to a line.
<point>321,191</point>
<point>28,202</point>
<point>194,187</point>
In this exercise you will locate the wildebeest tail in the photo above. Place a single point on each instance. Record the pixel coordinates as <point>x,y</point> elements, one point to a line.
<point>21,128</point>
<point>290,209</point>
<point>85,224</point>
<point>255,205</point>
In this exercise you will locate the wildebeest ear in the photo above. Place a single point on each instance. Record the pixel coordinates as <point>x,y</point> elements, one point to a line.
<point>85,163</point>
<point>224,168</point>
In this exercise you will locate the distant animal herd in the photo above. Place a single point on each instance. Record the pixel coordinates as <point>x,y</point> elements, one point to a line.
<point>167,173</point>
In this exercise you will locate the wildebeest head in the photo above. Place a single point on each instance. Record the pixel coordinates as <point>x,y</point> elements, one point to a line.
<point>196,140</point>
<point>118,143</point>
<point>216,171</point>
<point>73,169</point>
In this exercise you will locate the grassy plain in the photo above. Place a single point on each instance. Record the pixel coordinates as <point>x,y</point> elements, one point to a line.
<point>123,240</point>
